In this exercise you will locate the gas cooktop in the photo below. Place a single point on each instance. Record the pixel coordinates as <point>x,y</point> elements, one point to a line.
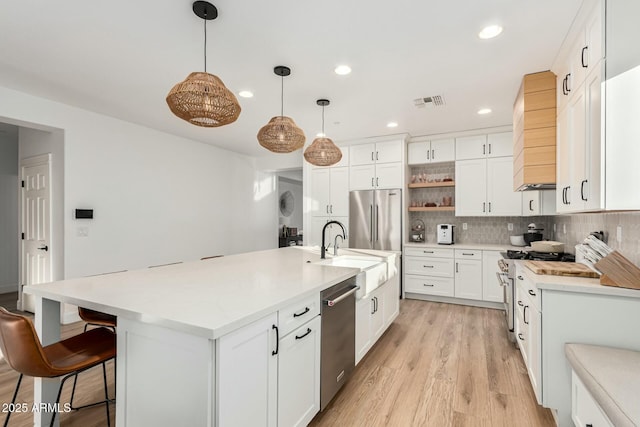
<point>541,256</point>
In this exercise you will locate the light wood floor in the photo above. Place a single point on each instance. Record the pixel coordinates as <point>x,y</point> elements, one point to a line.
<point>437,365</point>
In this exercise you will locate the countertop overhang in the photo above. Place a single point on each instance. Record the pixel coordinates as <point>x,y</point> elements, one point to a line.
<point>208,298</point>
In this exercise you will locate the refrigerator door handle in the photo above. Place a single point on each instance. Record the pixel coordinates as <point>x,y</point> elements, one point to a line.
<point>371,224</point>
<point>377,225</point>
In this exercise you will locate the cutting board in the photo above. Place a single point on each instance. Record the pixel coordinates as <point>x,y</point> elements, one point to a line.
<point>557,268</point>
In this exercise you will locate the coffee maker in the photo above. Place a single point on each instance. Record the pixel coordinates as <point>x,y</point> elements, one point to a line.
<point>445,234</point>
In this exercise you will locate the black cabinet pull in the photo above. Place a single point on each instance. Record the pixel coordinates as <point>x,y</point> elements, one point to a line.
<point>376,155</point>
<point>373,310</point>
<point>489,206</point>
<point>44,248</point>
<point>376,304</point>
<point>564,195</point>
<point>564,86</point>
<point>433,154</point>
<point>520,278</point>
<point>273,353</point>
<point>533,294</point>
<point>584,49</point>
<point>568,88</point>
<point>457,268</point>
<point>588,425</point>
<point>531,205</point>
<point>584,181</point>
<point>427,252</point>
<point>489,148</point>
<point>306,310</point>
<point>484,205</point>
<point>520,336</point>
<point>483,149</point>
<point>429,285</point>
<point>464,253</point>
<point>427,266</point>
<point>520,304</point>
<point>524,314</point>
<point>372,156</point>
<point>304,335</point>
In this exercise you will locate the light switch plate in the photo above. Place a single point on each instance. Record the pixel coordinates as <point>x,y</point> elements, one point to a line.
<point>464,225</point>
<point>510,226</point>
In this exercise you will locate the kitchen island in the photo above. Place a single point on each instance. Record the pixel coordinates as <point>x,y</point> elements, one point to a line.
<point>171,319</point>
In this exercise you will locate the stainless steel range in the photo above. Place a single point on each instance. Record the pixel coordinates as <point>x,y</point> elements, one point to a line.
<point>507,276</point>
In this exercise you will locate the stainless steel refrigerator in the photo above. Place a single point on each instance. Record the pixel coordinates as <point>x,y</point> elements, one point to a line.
<point>375,219</point>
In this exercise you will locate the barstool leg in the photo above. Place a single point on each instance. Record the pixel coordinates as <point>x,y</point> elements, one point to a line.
<point>106,393</point>
<point>13,401</point>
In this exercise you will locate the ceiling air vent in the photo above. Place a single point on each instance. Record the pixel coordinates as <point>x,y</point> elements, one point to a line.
<point>429,101</point>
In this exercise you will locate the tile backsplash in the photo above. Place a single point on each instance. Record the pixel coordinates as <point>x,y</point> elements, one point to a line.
<point>491,230</point>
<point>570,229</point>
<point>578,226</point>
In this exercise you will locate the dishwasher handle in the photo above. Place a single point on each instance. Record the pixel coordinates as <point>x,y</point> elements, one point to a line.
<point>332,302</point>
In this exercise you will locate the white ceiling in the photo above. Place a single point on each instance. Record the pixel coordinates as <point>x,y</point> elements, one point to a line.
<point>121,58</point>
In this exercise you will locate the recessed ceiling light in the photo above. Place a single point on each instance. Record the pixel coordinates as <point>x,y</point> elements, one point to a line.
<point>246,94</point>
<point>490,32</point>
<point>342,70</point>
<point>484,111</point>
<point>320,135</point>
<point>392,124</point>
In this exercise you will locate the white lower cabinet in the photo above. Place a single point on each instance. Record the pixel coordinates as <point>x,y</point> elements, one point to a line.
<point>585,411</point>
<point>468,274</point>
<point>247,375</point>
<point>268,372</point>
<point>299,375</point>
<point>528,328</point>
<point>374,313</point>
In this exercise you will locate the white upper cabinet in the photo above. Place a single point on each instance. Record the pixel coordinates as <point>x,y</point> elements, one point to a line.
<point>330,192</point>
<point>380,152</point>
<point>435,151</point>
<point>580,141</point>
<point>484,188</point>
<point>376,166</point>
<point>538,202</point>
<point>484,146</point>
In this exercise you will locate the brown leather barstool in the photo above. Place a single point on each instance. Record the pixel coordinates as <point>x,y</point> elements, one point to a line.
<point>97,318</point>
<point>25,354</point>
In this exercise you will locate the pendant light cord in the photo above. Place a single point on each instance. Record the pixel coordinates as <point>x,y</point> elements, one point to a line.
<point>323,134</point>
<point>205,40</point>
<point>281,96</point>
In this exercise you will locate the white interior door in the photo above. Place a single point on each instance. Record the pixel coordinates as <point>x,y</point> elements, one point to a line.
<point>35,260</point>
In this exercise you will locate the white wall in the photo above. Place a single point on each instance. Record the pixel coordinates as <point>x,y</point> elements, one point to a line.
<point>157,198</point>
<point>9,244</point>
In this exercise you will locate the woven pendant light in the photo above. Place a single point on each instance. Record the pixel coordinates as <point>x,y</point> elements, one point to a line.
<point>322,151</point>
<point>281,134</point>
<point>202,99</point>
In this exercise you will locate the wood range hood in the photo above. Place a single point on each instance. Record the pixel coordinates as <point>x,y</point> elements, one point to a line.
<point>534,133</point>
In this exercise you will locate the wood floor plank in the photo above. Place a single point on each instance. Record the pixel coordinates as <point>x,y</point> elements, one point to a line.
<point>472,383</point>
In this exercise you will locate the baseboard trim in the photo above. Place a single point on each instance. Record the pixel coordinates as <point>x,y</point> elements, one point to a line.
<point>10,287</point>
<point>459,301</point>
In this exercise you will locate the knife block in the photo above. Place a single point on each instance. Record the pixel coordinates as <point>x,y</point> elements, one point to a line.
<point>618,271</point>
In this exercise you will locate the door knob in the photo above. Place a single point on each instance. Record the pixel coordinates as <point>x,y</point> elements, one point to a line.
<point>45,248</point>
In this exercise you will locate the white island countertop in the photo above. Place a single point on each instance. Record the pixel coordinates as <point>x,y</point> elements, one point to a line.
<point>208,298</point>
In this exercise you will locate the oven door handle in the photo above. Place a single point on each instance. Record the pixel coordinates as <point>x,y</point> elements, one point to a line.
<point>332,302</point>
<point>500,276</point>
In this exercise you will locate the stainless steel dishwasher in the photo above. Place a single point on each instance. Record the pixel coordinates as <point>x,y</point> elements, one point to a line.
<point>338,338</point>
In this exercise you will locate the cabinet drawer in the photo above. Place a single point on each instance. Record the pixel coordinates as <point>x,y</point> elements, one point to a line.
<point>468,254</point>
<point>528,288</point>
<point>298,313</point>
<point>429,285</point>
<point>429,252</point>
<point>584,409</point>
<point>439,267</point>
